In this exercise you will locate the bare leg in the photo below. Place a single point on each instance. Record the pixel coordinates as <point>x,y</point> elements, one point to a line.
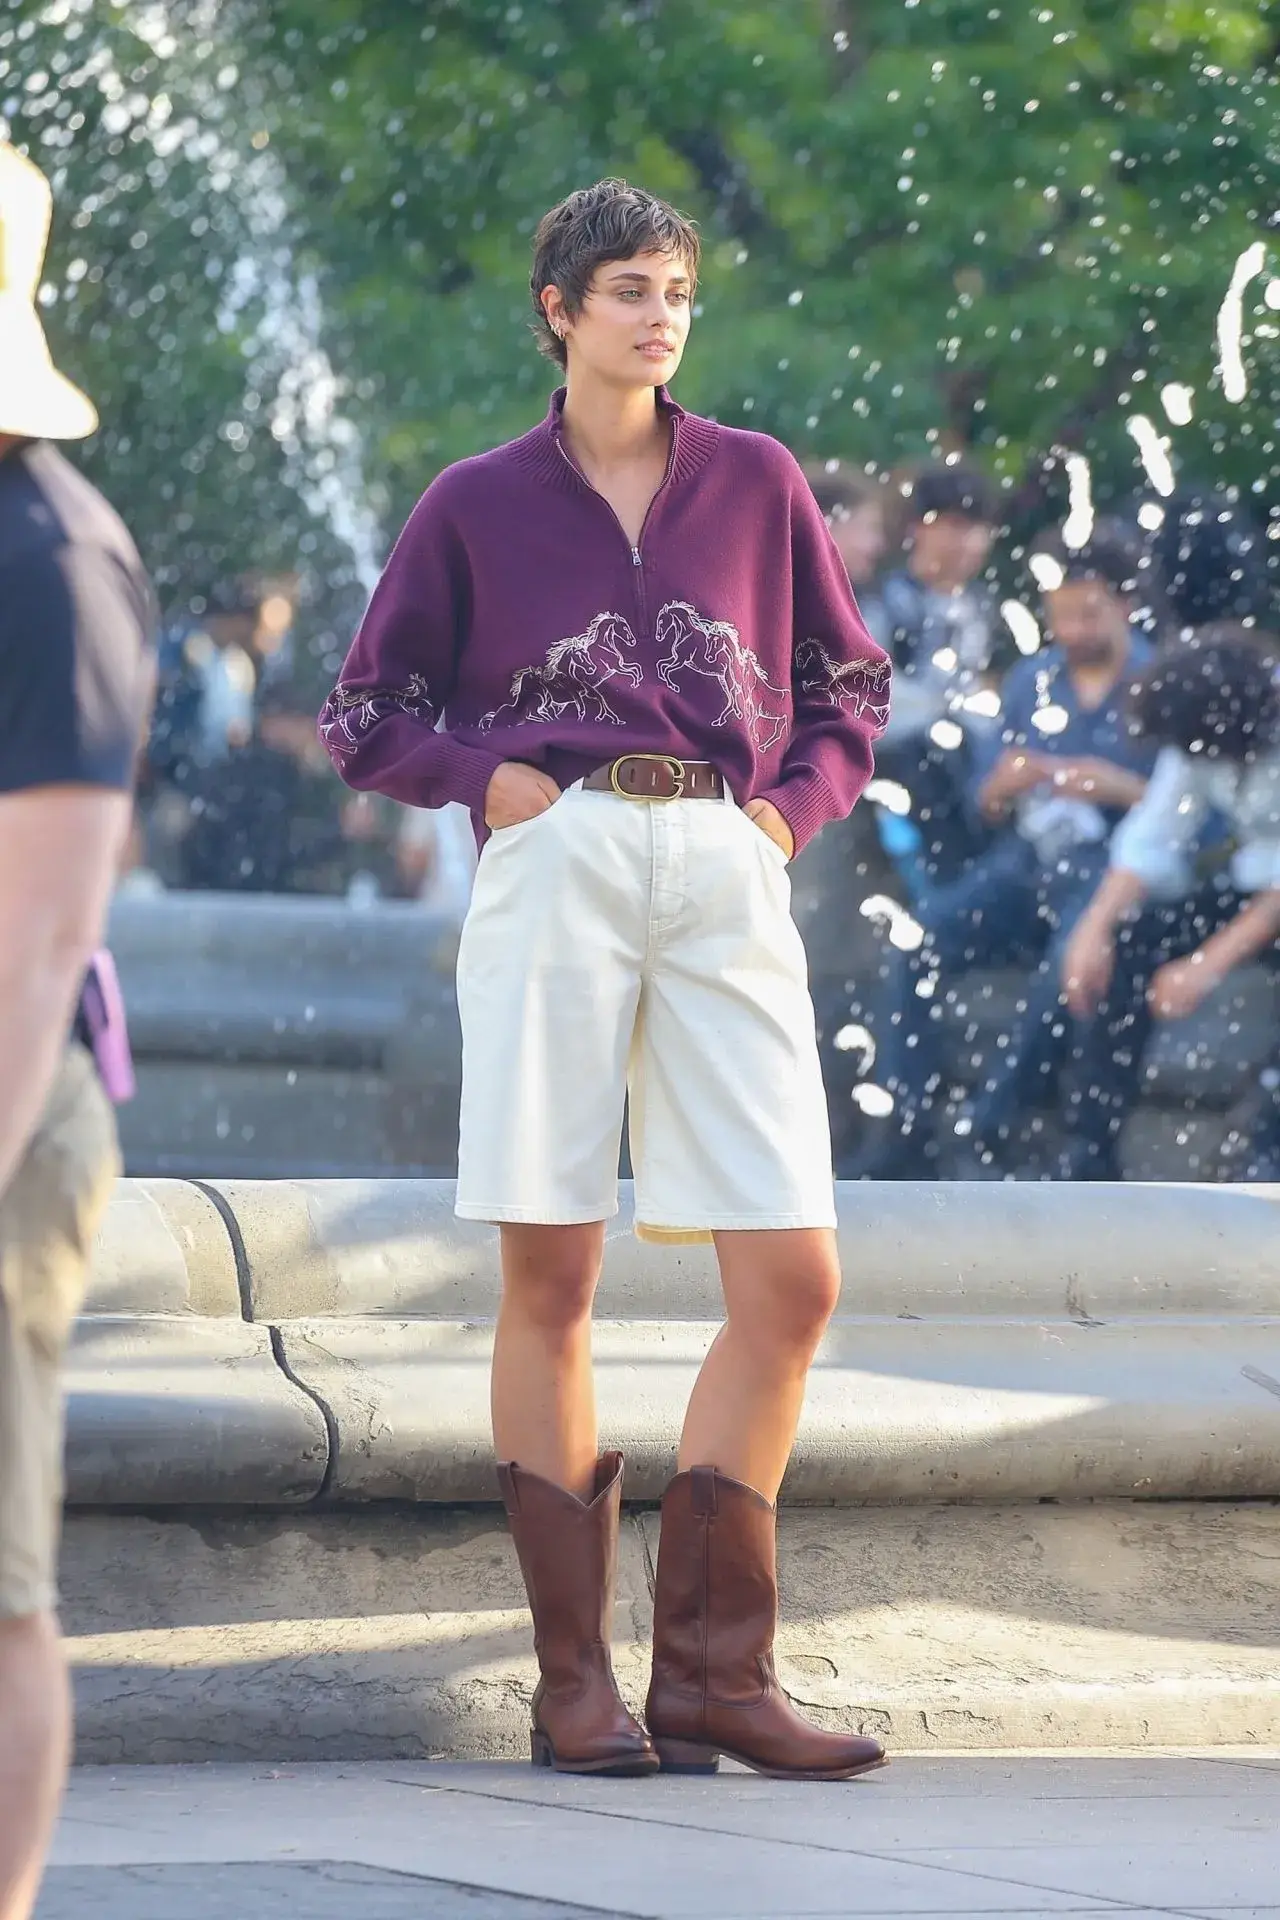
<point>780,1290</point>
<point>35,1740</point>
<point>543,1395</point>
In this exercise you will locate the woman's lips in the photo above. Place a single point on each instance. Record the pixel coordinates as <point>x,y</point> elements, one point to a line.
<point>656,350</point>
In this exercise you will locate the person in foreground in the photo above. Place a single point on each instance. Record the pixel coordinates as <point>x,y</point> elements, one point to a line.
<point>646,723</point>
<point>75,691</point>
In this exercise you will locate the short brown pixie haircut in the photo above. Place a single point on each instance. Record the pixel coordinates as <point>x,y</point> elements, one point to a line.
<point>610,221</point>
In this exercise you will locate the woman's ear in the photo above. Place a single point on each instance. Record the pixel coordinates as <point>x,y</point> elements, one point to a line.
<point>553,308</point>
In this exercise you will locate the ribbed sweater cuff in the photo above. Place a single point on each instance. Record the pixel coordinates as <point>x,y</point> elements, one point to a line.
<point>465,772</point>
<point>805,803</point>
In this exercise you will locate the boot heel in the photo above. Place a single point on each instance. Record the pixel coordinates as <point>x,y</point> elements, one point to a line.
<point>686,1756</point>
<point>540,1750</point>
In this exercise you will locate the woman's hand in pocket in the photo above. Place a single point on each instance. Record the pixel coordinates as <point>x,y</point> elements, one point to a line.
<point>763,814</point>
<point>517,792</point>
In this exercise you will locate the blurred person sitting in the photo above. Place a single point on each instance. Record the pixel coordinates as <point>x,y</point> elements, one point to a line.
<point>208,678</point>
<point>76,675</point>
<point>937,621</point>
<point>1052,786</point>
<point>211,672</point>
<point>1211,705</point>
<point>268,817</point>
<point>853,507</point>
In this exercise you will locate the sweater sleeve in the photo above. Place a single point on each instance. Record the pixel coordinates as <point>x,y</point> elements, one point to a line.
<point>381,723</point>
<point>840,683</point>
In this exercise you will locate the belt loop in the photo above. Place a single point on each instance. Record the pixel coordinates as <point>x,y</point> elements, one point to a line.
<point>510,1491</point>
<point>703,1481</point>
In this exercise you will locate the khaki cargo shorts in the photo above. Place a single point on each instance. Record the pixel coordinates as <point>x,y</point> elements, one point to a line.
<point>48,1217</point>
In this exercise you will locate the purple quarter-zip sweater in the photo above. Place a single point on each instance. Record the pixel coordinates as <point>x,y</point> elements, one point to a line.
<point>515,621</point>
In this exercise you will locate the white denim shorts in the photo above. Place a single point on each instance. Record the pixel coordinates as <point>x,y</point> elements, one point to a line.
<point>618,948</point>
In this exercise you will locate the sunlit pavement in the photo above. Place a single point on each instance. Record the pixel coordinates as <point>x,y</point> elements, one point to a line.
<point>1009,1835</point>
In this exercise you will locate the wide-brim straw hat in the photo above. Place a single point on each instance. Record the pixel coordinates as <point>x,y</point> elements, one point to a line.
<point>36,401</point>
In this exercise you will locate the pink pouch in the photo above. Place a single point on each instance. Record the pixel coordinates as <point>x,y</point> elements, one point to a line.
<point>102,1010</point>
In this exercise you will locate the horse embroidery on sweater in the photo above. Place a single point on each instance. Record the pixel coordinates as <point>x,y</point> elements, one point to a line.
<point>350,712</point>
<point>714,649</point>
<point>860,685</point>
<point>572,678</point>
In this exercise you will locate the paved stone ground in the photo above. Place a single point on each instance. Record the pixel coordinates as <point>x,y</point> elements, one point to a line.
<point>1009,1835</point>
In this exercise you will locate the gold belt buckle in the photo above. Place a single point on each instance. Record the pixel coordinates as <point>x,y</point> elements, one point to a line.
<point>679,774</point>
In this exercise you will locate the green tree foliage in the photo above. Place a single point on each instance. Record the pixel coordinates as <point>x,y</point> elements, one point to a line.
<point>165,286</point>
<point>1003,227</point>
<point>927,222</point>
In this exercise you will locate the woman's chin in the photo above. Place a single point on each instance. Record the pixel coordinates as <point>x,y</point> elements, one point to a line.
<point>655,373</point>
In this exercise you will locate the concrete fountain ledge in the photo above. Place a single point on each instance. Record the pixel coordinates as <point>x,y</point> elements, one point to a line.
<point>263,1342</point>
<point>1032,1503</point>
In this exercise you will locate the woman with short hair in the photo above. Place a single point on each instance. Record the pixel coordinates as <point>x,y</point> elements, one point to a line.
<point>627,643</point>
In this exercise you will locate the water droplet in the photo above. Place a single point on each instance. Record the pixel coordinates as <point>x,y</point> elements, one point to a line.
<point>1078,526</point>
<point>1234,382</point>
<point>1022,623</point>
<point>1154,452</point>
<point>1050,720</point>
<point>1177,400</point>
<point>875,1102</point>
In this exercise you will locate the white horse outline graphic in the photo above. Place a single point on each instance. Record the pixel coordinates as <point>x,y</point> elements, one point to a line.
<point>572,677</point>
<point>714,649</point>
<point>350,712</point>
<point>860,685</point>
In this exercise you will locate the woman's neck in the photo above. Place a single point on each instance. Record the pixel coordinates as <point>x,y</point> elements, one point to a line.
<point>610,427</point>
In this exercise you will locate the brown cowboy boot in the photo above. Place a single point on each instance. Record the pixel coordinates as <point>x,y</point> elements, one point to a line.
<point>568,1555</point>
<point>714,1689</point>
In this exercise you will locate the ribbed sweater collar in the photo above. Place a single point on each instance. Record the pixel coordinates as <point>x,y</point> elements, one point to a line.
<point>542,454</point>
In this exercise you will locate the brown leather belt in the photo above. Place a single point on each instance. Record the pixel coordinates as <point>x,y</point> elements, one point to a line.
<point>657,776</point>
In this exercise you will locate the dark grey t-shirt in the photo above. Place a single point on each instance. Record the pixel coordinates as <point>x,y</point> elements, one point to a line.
<point>76,629</point>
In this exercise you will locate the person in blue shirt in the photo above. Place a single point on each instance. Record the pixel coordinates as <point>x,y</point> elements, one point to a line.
<point>1056,773</point>
<point>937,619</point>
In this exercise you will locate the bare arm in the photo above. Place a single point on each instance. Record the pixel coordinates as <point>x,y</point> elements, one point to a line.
<point>1117,896</point>
<point>1181,986</point>
<point>59,847</point>
<point>1100,781</point>
<point>1254,928</point>
<point>1089,957</point>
